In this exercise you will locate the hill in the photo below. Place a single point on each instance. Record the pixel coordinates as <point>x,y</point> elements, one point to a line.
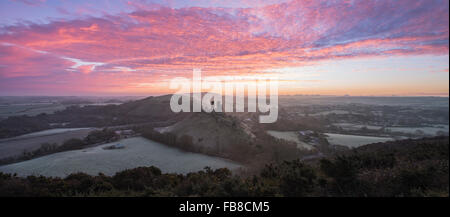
<point>155,110</point>
<point>215,131</point>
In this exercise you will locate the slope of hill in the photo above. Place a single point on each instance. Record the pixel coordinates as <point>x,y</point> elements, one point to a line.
<point>155,108</point>
<point>152,109</point>
<point>211,131</point>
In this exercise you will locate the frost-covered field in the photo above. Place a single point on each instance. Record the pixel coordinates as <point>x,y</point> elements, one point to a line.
<point>290,136</point>
<point>50,132</point>
<point>15,146</point>
<point>353,141</point>
<point>350,126</point>
<point>138,152</point>
<point>426,130</point>
<point>430,131</point>
<point>338,112</point>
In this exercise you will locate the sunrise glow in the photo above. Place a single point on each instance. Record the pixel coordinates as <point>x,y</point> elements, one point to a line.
<point>50,47</point>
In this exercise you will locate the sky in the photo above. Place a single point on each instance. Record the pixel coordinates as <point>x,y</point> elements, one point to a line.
<point>124,47</point>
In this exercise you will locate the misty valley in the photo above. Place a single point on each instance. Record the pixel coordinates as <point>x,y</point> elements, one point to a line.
<point>105,136</point>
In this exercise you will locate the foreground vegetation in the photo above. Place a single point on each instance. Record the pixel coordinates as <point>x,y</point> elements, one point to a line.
<point>400,168</point>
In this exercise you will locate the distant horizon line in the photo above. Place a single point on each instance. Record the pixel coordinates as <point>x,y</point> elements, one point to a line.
<point>156,95</point>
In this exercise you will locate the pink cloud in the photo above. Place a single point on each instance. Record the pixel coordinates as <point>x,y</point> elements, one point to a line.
<point>86,69</point>
<point>31,2</point>
<point>156,40</point>
<point>21,62</point>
